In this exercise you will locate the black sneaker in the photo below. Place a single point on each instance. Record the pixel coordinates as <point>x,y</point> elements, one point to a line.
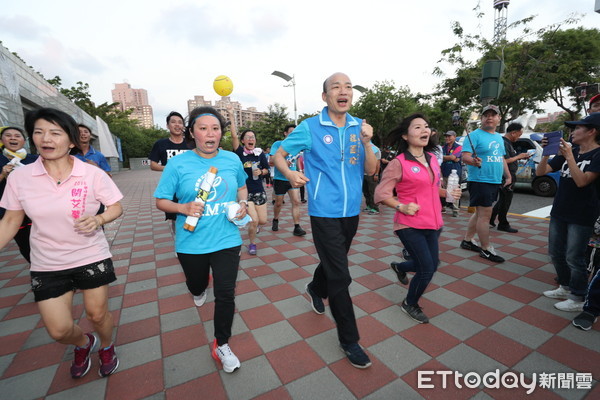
<point>275,226</point>
<point>415,312</point>
<point>401,274</point>
<point>315,301</point>
<point>490,254</point>
<point>356,355</point>
<point>470,245</point>
<point>508,229</point>
<point>584,321</point>
<point>299,231</point>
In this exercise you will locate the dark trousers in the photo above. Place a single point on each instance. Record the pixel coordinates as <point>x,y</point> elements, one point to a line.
<point>332,238</point>
<point>224,264</point>
<point>501,207</point>
<point>423,246</point>
<point>22,239</point>
<point>369,190</point>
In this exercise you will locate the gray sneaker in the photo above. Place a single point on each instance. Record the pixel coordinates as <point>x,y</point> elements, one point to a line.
<point>584,321</point>
<point>415,312</point>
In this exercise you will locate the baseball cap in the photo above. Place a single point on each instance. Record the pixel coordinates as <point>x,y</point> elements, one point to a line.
<point>450,133</point>
<point>593,120</point>
<point>594,99</point>
<point>490,107</point>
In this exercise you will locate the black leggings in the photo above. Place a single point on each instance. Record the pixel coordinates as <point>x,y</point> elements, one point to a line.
<point>224,264</point>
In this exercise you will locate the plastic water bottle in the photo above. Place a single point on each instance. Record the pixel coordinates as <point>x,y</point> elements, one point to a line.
<point>254,168</point>
<point>453,184</point>
<point>201,197</point>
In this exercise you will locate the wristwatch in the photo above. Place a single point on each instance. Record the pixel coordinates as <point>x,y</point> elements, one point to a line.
<point>244,202</point>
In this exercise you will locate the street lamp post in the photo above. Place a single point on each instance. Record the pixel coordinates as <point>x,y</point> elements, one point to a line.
<point>292,83</point>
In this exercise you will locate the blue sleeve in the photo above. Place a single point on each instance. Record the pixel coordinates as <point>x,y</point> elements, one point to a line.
<point>466,147</point>
<point>103,163</point>
<point>299,140</point>
<point>241,175</point>
<point>274,147</point>
<point>167,186</point>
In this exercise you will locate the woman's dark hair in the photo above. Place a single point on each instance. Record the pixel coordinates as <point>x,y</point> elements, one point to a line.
<point>395,135</point>
<point>57,117</point>
<point>198,111</point>
<point>14,128</point>
<point>244,134</point>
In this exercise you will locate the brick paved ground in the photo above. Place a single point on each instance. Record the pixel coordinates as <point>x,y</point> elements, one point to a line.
<point>483,317</point>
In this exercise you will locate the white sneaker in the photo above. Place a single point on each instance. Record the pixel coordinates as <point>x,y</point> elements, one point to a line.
<point>200,300</point>
<point>224,354</point>
<point>562,292</point>
<point>569,305</point>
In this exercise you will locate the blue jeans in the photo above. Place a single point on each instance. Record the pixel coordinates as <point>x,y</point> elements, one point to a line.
<point>567,244</point>
<point>423,246</point>
<point>592,300</point>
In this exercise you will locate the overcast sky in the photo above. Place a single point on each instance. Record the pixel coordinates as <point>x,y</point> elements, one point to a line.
<point>174,49</point>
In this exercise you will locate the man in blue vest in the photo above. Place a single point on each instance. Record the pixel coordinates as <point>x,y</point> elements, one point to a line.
<point>337,154</point>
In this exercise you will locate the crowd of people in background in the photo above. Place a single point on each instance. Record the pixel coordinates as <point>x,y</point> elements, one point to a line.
<point>328,161</point>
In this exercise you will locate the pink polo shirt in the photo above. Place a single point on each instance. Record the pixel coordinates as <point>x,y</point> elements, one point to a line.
<point>53,208</point>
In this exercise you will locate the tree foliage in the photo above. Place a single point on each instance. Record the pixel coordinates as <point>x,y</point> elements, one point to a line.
<point>270,128</point>
<point>539,65</point>
<point>383,106</point>
<point>135,140</point>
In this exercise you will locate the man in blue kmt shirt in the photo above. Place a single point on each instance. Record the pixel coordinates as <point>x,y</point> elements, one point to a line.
<point>337,153</point>
<point>281,186</point>
<point>483,152</point>
<point>88,153</point>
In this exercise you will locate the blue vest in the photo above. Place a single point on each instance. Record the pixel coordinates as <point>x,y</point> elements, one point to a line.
<point>335,167</point>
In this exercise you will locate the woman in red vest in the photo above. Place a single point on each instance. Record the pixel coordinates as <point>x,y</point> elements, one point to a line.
<point>415,174</point>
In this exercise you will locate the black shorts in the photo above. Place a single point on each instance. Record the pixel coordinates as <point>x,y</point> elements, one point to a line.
<point>48,285</point>
<point>482,194</point>
<point>258,198</point>
<point>282,187</point>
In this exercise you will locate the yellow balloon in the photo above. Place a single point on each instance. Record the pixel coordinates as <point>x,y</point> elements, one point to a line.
<point>223,85</point>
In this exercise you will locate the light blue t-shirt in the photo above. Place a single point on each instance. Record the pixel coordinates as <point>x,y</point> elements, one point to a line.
<point>490,148</point>
<point>278,175</point>
<point>182,178</point>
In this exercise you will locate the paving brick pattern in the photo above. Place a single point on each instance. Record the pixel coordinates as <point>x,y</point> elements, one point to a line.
<point>483,317</point>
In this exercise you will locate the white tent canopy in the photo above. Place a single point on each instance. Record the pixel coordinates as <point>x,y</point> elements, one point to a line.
<point>107,145</point>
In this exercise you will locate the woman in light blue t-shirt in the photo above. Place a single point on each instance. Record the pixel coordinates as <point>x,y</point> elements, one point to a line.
<point>215,242</point>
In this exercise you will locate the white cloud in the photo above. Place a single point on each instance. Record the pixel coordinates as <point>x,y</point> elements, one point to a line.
<point>174,50</point>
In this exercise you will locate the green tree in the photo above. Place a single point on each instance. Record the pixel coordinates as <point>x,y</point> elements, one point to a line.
<point>304,116</point>
<point>270,128</point>
<point>135,140</point>
<point>539,65</point>
<point>383,106</point>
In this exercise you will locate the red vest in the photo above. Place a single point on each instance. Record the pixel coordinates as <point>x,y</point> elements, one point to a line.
<point>416,186</point>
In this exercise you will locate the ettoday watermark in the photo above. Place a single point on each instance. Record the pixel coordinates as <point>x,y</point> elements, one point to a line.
<point>509,380</point>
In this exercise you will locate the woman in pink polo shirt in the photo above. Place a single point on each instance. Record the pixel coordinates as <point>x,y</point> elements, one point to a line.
<point>415,174</point>
<point>69,251</point>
